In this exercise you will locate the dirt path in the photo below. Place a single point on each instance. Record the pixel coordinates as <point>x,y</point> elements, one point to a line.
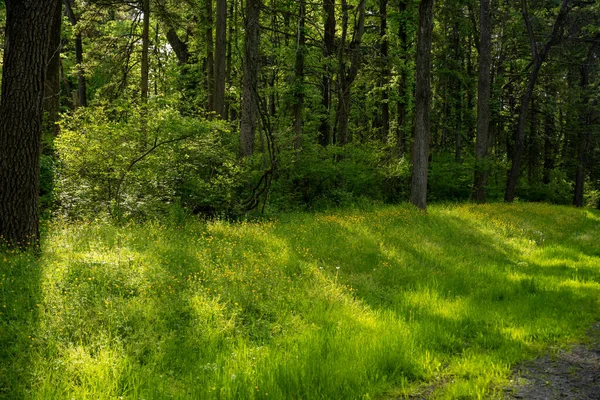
<point>567,374</point>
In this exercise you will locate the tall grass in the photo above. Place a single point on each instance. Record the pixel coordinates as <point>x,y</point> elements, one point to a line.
<point>346,305</point>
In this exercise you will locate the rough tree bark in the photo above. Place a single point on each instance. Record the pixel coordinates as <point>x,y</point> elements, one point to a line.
<point>250,80</point>
<point>28,24</point>
<point>538,60</point>
<point>420,156</point>
<point>483,103</point>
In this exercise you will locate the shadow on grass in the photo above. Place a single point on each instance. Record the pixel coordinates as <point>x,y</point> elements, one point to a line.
<point>20,299</point>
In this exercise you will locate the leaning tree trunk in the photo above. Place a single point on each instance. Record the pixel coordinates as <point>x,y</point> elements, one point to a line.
<point>538,60</point>
<point>483,104</point>
<point>250,80</point>
<point>28,24</point>
<point>418,188</point>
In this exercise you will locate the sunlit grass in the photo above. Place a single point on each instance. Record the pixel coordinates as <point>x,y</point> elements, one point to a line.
<point>345,305</point>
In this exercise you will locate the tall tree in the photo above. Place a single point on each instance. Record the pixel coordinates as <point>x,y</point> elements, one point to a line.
<point>81,82</point>
<point>144,84</point>
<point>28,25</point>
<point>483,103</point>
<point>420,156</point>
<point>52,83</point>
<point>250,79</point>
<point>348,70</point>
<point>299,75</point>
<point>328,52</point>
<point>210,61</point>
<point>220,58</point>
<point>538,59</point>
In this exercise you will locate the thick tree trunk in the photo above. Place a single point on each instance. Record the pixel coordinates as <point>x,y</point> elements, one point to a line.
<point>420,157</point>
<point>538,61</point>
<point>220,58</point>
<point>483,104</point>
<point>250,80</point>
<point>52,84</point>
<point>28,24</point>
<point>299,76</point>
<point>81,83</point>
<point>328,52</point>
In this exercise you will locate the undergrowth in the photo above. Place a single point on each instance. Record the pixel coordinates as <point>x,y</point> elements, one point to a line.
<point>344,305</point>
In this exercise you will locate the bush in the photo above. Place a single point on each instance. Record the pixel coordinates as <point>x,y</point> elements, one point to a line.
<point>112,160</point>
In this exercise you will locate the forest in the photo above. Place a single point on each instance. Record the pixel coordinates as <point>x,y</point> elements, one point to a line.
<point>225,108</point>
<point>292,199</point>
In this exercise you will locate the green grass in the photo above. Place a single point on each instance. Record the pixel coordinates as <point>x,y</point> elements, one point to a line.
<point>346,305</point>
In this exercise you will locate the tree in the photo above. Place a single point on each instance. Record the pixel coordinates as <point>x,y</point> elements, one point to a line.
<point>81,82</point>
<point>52,82</point>
<point>538,59</point>
<point>220,58</point>
<point>420,156</point>
<point>28,24</point>
<point>483,103</point>
<point>250,80</point>
<point>299,75</point>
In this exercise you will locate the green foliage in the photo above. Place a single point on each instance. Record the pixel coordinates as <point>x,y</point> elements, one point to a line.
<point>133,162</point>
<point>324,177</point>
<point>389,303</point>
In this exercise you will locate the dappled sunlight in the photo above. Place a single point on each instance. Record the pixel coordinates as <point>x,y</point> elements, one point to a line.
<point>349,303</point>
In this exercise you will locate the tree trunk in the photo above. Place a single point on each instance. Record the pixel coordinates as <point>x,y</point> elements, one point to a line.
<point>81,83</point>
<point>250,80</point>
<point>145,50</point>
<point>52,83</point>
<point>220,58</point>
<point>328,52</point>
<point>28,24</point>
<point>403,86</point>
<point>347,75</point>
<point>210,60</point>
<point>483,103</point>
<point>299,76</point>
<point>585,135</point>
<point>538,60</point>
<point>385,72</point>
<point>418,189</point>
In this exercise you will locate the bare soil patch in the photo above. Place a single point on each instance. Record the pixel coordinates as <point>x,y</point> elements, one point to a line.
<point>573,373</point>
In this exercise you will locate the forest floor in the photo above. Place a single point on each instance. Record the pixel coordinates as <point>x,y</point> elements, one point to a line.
<point>565,373</point>
<point>382,303</point>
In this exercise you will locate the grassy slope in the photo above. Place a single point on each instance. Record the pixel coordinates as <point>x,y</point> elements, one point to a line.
<point>346,305</point>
